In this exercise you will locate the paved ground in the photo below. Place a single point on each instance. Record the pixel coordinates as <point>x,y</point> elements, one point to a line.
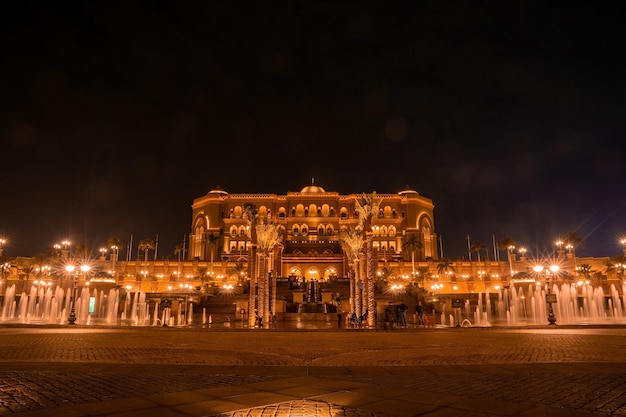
<point>220,371</point>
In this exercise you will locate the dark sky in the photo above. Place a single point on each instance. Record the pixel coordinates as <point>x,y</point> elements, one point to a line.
<point>115,115</point>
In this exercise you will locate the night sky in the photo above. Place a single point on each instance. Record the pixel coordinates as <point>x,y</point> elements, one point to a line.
<point>116,115</point>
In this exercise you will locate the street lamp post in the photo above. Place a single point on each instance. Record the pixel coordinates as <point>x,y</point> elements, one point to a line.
<point>550,298</point>
<point>72,317</point>
<point>70,270</point>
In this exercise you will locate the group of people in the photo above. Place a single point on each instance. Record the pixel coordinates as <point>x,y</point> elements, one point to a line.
<point>400,316</point>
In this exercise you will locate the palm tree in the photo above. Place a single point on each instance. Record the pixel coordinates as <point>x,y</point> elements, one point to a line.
<point>411,245</point>
<point>250,213</point>
<point>572,241</point>
<point>615,265</point>
<point>202,270</point>
<point>115,244</point>
<point>268,237</point>
<point>212,240</point>
<point>239,270</point>
<point>508,245</point>
<point>25,271</point>
<point>477,247</point>
<point>178,250</point>
<point>444,266</point>
<point>366,210</point>
<point>585,269</point>
<point>422,273</point>
<point>146,245</point>
<point>351,241</point>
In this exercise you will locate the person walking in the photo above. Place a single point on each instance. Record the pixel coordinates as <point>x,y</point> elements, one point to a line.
<point>402,308</point>
<point>419,309</point>
<point>339,312</point>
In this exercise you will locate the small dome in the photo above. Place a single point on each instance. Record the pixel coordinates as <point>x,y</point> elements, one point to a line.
<point>313,188</point>
<point>217,190</point>
<point>407,190</point>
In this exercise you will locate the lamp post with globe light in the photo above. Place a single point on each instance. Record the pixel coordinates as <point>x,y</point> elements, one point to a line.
<point>71,270</point>
<point>550,298</point>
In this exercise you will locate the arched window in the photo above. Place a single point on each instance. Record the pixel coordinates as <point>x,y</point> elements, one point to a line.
<point>295,231</point>
<point>329,230</point>
<point>305,230</point>
<point>233,231</point>
<point>320,230</point>
<point>198,236</point>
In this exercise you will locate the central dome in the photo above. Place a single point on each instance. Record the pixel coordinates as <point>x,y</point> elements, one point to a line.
<point>313,188</point>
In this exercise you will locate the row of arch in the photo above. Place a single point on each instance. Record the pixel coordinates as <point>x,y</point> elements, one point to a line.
<point>312,210</point>
<point>313,272</point>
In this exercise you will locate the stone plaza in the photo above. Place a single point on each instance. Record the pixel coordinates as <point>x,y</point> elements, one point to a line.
<point>76,371</point>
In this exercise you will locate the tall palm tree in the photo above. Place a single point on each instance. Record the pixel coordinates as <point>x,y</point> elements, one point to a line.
<point>508,245</point>
<point>351,241</point>
<point>366,210</point>
<point>212,241</point>
<point>411,245</point>
<point>250,213</point>
<point>268,237</point>
<point>146,245</point>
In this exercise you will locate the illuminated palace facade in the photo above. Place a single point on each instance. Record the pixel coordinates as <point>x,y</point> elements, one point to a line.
<point>310,220</point>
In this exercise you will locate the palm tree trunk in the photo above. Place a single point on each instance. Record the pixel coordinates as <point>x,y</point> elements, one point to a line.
<point>352,292</point>
<point>262,279</point>
<point>370,281</point>
<point>253,288</point>
<point>357,290</point>
<point>362,271</point>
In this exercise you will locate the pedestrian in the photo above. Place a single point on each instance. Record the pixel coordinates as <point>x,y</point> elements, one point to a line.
<point>388,317</point>
<point>419,309</point>
<point>339,312</point>
<point>402,308</point>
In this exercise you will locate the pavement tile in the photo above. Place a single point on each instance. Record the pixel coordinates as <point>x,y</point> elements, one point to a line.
<point>400,408</point>
<point>177,398</point>
<point>207,408</point>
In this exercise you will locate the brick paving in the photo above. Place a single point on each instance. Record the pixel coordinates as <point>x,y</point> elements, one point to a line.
<point>86,371</point>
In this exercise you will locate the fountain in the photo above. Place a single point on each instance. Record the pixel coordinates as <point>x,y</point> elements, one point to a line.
<point>518,305</point>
